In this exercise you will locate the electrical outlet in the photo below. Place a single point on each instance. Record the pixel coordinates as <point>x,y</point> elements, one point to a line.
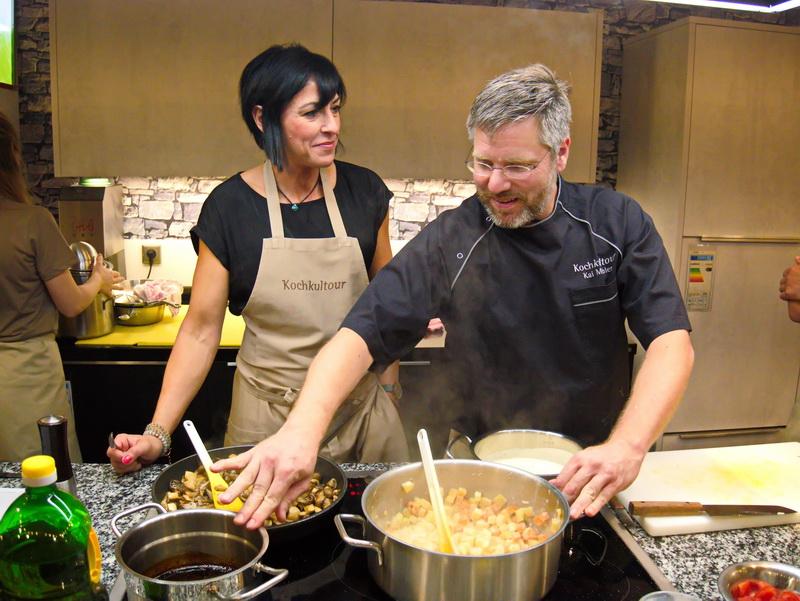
<point>148,251</point>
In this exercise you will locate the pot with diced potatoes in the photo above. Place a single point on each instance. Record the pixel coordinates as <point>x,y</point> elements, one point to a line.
<point>506,524</point>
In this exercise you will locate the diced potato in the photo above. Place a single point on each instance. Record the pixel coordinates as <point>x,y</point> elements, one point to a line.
<point>407,486</point>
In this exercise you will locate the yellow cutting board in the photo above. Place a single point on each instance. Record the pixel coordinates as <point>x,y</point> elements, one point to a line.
<point>165,332</point>
<point>766,474</point>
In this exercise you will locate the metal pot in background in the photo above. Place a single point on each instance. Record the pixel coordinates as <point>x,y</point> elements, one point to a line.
<point>98,318</point>
<point>409,573</point>
<point>139,314</point>
<point>540,452</point>
<point>200,542</point>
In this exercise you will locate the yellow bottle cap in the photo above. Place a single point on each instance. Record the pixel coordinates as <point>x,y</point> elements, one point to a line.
<point>39,470</point>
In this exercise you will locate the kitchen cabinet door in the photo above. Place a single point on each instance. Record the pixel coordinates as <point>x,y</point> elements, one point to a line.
<point>747,362</point>
<point>151,87</point>
<point>745,128</point>
<point>413,69</point>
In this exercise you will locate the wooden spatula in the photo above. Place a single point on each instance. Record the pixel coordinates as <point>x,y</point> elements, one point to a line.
<point>446,543</point>
<point>215,481</point>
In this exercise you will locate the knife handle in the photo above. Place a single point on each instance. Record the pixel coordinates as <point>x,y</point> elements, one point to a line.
<point>652,508</point>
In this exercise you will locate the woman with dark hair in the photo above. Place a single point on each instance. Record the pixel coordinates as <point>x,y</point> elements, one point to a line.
<point>289,244</point>
<point>35,285</point>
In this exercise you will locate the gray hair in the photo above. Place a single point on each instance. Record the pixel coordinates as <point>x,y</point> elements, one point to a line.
<point>531,91</point>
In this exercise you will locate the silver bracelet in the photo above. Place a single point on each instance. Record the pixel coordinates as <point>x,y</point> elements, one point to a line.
<point>159,432</point>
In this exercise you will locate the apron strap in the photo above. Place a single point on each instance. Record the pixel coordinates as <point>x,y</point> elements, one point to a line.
<point>334,215</point>
<point>274,206</point>
<point>273,201</point>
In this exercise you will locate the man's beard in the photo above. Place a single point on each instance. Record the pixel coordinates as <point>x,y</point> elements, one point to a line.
<point>533,207</point>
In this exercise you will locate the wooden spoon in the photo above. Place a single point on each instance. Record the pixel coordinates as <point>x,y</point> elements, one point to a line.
<point>445,540</point>
<point>215,481</point>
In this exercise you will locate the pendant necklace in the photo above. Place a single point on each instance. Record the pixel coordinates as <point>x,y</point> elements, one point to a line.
<point>295,206</point>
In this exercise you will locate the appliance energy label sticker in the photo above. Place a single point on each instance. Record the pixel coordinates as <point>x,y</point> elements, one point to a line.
<point>700,278</point>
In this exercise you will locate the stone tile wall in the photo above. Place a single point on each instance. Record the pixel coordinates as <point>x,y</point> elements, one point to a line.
<point>168,207</point>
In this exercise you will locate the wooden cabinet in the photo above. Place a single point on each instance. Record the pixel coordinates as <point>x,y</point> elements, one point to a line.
<point>413,70</point>
<point>709,129</point>
<point>150,88</point>
<point>709,147</point>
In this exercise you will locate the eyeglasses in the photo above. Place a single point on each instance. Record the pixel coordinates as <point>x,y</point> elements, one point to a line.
<point>515,171</point>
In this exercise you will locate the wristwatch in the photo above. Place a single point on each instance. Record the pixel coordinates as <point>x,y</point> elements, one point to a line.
<point>394,389</point>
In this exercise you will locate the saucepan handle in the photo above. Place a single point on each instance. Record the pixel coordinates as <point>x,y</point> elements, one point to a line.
<point>122,514</point>
<point>278,576</point>
<point>457,437</point>
<point>339,520</point>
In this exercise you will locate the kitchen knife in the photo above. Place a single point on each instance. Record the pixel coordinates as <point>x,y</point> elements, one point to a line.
<point>671,508</point>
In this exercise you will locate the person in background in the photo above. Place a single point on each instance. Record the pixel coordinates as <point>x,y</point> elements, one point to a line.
<point>35,285</point>
<point>790,289</point>
<point>290,244</point>
<point>533,278</point>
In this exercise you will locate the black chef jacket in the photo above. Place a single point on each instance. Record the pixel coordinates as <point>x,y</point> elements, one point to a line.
<point>535,316</point>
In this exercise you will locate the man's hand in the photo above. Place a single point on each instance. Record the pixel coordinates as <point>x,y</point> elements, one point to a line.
<point>790,282</point>
<point>279,468</point>
<point>593,476</point>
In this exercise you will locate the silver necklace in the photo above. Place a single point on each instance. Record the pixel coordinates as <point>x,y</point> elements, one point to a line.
<point>296,205</point>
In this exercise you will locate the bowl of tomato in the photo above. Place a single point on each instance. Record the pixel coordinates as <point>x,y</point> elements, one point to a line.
<point>760,581</point>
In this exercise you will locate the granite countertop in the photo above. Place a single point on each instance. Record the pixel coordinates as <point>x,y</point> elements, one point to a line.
<point>691,562</point>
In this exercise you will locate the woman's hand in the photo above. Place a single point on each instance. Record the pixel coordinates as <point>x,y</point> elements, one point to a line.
<point>789,285</point>
<point>108,277</point>
<point>133,452</point>
<point>279,469</point>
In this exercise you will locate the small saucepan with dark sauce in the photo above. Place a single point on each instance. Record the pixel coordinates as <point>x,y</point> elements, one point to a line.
<point>197,554</point>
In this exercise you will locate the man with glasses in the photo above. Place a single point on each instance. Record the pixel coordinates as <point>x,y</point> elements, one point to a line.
<point>533,278</point>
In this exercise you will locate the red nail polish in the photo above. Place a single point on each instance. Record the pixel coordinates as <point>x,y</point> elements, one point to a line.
<point>126,459</point>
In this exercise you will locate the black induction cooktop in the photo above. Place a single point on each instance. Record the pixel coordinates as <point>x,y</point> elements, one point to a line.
<point>595,565</point>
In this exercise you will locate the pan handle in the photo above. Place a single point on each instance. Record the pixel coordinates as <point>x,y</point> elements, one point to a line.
<point>279,575</point>
<point>339,520</point>
<point>455,438</point>
<point>122,514</point>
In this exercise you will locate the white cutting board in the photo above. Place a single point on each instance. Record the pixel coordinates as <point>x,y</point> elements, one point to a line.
<point>7,496</point>
<point>766,474</point>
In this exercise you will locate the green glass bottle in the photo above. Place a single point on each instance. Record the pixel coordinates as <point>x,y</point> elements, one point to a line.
<point>48,548</point>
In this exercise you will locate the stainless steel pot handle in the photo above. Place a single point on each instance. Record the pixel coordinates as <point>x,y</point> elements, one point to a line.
<point>339,520</point>
<point>122,514</point>
<point>279,575</point>
<point>459,436</point>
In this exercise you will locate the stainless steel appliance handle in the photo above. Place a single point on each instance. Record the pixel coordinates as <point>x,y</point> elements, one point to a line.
<point>115,362</point>
<point>339,520</point>
<point>750,239</point>
<point>279,575</point>
<point>721,433</point>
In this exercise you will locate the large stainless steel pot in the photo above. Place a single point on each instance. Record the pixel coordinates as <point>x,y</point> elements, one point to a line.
<point>177,539</point>
<point>409,573</point>
<point>537,451</point>
<point>98,318</point>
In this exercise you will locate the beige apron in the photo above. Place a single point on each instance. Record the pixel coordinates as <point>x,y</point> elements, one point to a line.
<point>304,289</point>
<point>31,386</point>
